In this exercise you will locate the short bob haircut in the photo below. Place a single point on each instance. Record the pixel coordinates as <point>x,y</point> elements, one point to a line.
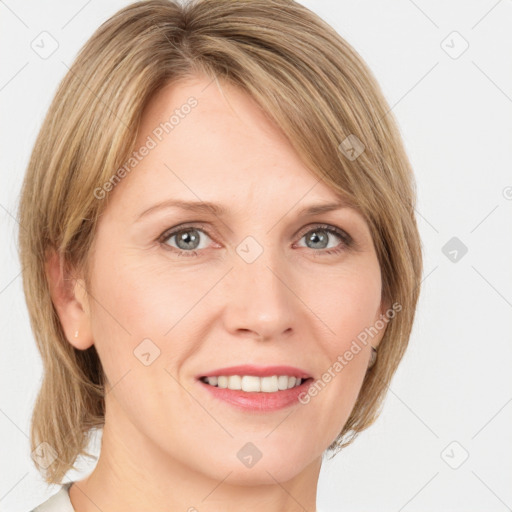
<point>305,77</point>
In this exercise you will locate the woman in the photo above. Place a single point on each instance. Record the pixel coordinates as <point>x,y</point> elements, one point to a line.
<point>221,260</point>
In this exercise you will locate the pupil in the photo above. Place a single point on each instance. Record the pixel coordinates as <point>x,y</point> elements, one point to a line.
<point>188,240</point>
<point>316,238</point>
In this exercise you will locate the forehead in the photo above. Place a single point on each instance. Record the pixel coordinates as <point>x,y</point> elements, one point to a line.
<point>210,141</point>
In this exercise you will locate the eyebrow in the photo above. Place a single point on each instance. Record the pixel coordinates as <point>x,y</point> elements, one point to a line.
<point>219,210</point>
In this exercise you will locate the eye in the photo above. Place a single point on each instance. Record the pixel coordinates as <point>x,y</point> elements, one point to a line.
<point>186,240</point>
<point>320,237</point>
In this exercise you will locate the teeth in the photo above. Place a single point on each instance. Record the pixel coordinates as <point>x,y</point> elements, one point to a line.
<point>251,383</point>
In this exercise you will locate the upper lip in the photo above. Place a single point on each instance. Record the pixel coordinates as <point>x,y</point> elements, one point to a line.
<point>259,371</point>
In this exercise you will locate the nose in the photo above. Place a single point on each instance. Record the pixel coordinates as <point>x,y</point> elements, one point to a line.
<point>259,298</point>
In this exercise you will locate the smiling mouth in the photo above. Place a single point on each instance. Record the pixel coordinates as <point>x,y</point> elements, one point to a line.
<point>254,384</point>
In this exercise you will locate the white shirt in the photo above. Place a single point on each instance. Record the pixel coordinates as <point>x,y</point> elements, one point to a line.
<point>59,502</point>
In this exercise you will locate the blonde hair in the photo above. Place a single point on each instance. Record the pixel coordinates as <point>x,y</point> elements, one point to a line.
<point>306,78</point>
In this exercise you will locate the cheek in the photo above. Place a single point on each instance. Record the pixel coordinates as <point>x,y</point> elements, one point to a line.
<point>348,301</point>
<point>140,297</point>
<point>143,305</point>
<point>349,305</point>
<point>133,303</point>
<point>138,319</point>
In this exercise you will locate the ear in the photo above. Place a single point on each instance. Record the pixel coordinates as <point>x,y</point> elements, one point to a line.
<point>71,302</point>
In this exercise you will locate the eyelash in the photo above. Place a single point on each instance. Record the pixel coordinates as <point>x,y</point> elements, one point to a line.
<point>346,239</point>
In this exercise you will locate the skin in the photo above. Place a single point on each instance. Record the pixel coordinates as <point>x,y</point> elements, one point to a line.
<point>167,444</point>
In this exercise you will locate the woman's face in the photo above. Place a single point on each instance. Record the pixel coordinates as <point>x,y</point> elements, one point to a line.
<point>260,283</point>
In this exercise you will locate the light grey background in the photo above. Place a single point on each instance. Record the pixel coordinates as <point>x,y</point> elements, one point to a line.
<point>451,396</point>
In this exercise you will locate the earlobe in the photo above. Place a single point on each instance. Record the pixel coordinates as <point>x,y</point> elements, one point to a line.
<point>70,300</point>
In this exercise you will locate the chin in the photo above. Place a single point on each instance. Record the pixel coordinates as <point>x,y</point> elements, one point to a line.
<point>249,465</point>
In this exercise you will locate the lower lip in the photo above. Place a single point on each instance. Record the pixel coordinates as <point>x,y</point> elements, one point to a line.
<point>259,401</point>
